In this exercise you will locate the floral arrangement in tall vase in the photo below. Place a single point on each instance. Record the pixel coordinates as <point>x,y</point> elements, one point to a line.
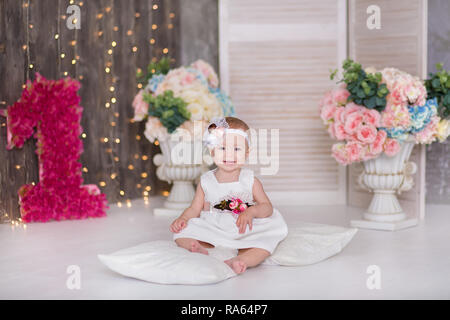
<point>377,116</point>
<point>177,105</point>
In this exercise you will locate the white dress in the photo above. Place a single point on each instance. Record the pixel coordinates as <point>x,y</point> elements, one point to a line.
<point>218,227</point>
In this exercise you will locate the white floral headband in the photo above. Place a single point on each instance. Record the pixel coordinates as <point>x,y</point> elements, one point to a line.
<point>211,139</point>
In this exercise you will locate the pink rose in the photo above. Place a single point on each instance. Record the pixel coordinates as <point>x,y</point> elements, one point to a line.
<point>338,115</point>
<point>187,79</point>
<point>366,133</point>
<point>391,147</point>
<point>340,95</point>
<point>339,131</point>
<point>327,112</point>
<point>351,108</point>
<point>353,122</point>
<point>377,146</point>
<point>372,117</point>
<point>242,207</point>
<point>339,152</point>
<point>396,96</point>
<point>234,204</point>
<point>140,106</point>
<point>354,151</point>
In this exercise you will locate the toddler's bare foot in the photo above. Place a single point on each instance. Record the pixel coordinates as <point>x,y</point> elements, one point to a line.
<point>236,264</point>
<point>197,247</point>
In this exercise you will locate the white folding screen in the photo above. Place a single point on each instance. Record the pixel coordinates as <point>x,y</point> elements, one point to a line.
<point>400,42</point>
<point>275,58</point>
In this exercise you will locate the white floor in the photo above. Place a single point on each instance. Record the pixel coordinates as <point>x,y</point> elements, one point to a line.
<point>414,263</point>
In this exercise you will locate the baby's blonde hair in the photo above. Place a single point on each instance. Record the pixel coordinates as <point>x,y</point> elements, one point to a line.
<point>234,123</point>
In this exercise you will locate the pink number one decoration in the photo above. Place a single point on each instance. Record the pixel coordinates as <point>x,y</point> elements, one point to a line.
<point>52,107</point>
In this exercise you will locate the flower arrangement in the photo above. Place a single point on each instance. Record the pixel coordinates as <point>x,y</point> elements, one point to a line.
<point>53,108</point>
<point>175,98</point>
<point>236,205</point>
<point>372,112</point>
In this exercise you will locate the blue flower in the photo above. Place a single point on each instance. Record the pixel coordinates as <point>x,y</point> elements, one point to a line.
<point>154,82</point>
<point>421,115</point>
<point>396,133</point>
<point>224,101</point>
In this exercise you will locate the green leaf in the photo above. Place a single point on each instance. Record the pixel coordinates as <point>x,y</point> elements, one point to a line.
<point>360,93</point>
<point>435,83</point>
<point>370,102</point>
<point>333,73</point>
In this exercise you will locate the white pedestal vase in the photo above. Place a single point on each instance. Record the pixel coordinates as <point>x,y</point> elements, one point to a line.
<point>180,163</point>
<point>385,176</point>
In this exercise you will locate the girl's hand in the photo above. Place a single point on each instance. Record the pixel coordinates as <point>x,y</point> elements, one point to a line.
<point>178,225</point>
<point>244,219</point>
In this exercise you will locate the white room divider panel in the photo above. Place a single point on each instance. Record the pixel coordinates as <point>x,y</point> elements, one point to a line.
<point>401,43</point>
<point>275,58</point>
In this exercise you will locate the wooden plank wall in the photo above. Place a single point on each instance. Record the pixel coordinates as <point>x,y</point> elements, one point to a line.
<point>275,59</point>
<point>27,36</point>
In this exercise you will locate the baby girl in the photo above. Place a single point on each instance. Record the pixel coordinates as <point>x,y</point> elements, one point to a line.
<point>230,208</point>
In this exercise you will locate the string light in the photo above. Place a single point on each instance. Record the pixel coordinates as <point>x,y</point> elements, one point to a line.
<point>108,70</point>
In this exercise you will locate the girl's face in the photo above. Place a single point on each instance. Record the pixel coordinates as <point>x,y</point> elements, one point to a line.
<point>231,153</point>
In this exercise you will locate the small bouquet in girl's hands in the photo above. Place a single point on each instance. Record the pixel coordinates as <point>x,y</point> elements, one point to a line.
<point>373,112</point>
<point>235,205</point>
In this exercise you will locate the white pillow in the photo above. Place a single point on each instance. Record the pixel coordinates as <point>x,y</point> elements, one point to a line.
<point>308,243</point>
<point>165,262</point>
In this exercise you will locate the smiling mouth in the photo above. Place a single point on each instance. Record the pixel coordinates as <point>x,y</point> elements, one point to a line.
<point>229,162</point>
